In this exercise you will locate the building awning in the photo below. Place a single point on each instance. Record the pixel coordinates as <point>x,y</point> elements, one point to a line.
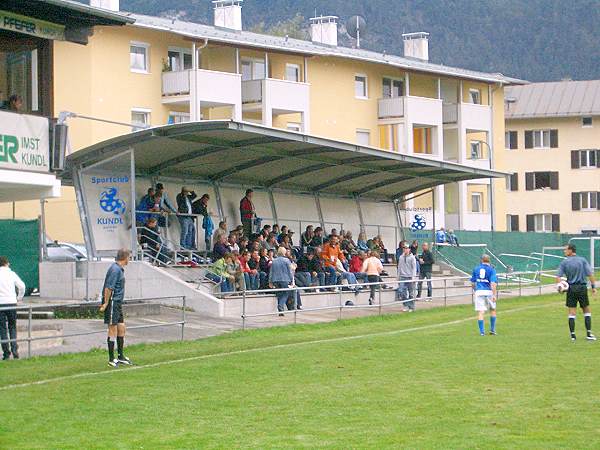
<point>250,155</point>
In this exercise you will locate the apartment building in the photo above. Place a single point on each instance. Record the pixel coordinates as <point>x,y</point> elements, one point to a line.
<point>156,71</point>
<point>552,144</point>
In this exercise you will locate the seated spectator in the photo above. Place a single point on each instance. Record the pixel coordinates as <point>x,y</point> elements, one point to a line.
<point>243,243</point>
<point>218,273</point>
<point>254,246</point>
<point>344,274</point>
<point>306,239</point>
<point>451,238</point>
<point>266,259</point>
<point>254,264</point>
<point>150,237</point>
<point>440,236</point>
<point>232,244</point>
<point>309,271</point>
<point>356,264</point>
<point>272,243</point>
<point>284,232</point>
<point>234,268</point>
<point>220,231</point>
<point>13,104</point>
<point>220,248</point>
<point>145,204</point>
<point>266,230</point>
<point>290,234</point>
<point>276,231</point>
<point>251,276</point>
<point>383,250</point>
<point>281,276</point>
<point>348,245</point>
<point>376,245</point>
<point>285,243</point>
<point>373,268</point>
<point>318,240</point>
<point>414,247</point>
<point>361,243</point>
<point>330,256</point>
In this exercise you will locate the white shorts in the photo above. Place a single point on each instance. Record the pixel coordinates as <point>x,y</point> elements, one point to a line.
<point>484,301</point>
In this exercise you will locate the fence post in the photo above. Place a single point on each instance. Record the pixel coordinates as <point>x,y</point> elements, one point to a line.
<point>296,293</point>
<point>445,293</point>
<point>379,289</point>
<point>244,309</point>
<point>28,333</point>
<point>183,317</point>
<point>540,284</point>
<point>341,306</point>
<point>520,293</point>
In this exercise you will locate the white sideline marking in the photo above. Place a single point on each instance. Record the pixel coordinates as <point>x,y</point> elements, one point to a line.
<point>260,349</point>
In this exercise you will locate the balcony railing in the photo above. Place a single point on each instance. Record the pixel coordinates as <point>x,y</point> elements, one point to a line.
<point>176,83</point>
<point>450,113</point>
<point>252,91</point>
<point>390,107</point>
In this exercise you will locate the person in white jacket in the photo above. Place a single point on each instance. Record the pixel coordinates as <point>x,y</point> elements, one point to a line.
<point>12,289</point>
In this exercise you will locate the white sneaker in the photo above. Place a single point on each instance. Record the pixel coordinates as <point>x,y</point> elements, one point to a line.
<point>591,337</point>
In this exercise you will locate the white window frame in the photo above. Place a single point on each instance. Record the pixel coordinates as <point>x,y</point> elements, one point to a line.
<point>509,222</point>
<point>587,159</point>
<point>392,80</point>
<point>366,86</point>
<point>295,67</point>
<point>363,131</point>
<point>294,126</point>
<point>476,145</point>
<point>182,52</point>
<point>479,196</point>
<point>591,125</point>
<point>588,198</point>
<point>181,115</point>
<point>146,48</point>
<point>254,62</point>
<point>477,99</point>
<point>540,135</point>
<point>542,223</point>
<point>147,112</point>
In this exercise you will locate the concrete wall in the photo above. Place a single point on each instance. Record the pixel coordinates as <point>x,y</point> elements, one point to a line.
<point>68,281</point>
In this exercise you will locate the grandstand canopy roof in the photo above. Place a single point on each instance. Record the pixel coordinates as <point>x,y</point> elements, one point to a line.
<point>250,155</point>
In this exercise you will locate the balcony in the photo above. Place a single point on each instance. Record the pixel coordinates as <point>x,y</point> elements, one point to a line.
<point>281,96</point>
<point>476,117</point>
<point>212,88</point>
<point>417,110</point>
<point>450,113</point>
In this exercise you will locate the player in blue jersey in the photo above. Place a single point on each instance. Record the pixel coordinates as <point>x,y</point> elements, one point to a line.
<point>484,283</point>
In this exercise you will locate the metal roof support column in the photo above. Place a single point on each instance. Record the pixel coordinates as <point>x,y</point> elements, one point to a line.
<point>319,210</point>
<point>218,200</point>
<point>273,208</point>
<point>237,60</point>
<point>360,214</point>
<point>433,215</point>
<point>399,219</point>
<point>133,205</point>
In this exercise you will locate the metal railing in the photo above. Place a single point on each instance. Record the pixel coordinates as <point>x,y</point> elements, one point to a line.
<point>518,288</point>
<point>129,302</point>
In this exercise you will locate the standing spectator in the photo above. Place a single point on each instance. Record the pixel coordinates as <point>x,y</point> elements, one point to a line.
<point>186,220</point>
<point>361,243</point>
<point>251,276</point>
<point>356,264</point>
<point>113,293</point>
<point>414,247</point>
<point>220,231</point>
<point>426,261</point>
<point>372,267</point>
<point>220,248</point>
<point>145,204</point>
<point>218,273</point>
<point>247,212</point>
<point>281,276</point>
<point>12,290</point>
<point>407,271</point>
<point>164,203</point>
<point>200,207</point>
<point>440,236</point>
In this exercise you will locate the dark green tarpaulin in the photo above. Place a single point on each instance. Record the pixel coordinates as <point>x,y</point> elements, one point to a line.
<point>19,241</point>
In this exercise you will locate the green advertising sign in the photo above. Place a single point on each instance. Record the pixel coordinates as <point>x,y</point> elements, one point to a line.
<point>24,142</point>
<point>34,27</point>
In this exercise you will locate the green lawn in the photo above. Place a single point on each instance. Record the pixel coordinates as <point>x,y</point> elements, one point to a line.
<point>403,386</point>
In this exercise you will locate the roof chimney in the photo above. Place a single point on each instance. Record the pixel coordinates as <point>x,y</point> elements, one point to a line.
<point>416,45</point>
<point>112,5</point>
<point>228,14</point>
<point>323,30</point>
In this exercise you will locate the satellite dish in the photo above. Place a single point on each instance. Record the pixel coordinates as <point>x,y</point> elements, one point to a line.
<point>356,26</point>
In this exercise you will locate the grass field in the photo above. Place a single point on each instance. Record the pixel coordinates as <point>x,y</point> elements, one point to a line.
<point>422,380</point>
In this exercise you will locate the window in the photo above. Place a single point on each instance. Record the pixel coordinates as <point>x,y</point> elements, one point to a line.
<point>475,96</point>
<point>543,223</point>
<point>179,59</point>
<point>363,137</point>
<point>541,138</point>
<point>388,137</point>
<point>253,69</point>
<point>360,86</point>
<point>292,72</point>
<point>140,119</point>
<point>585,159</point>
<point>512,222</point>
<point>585,201</point>
<point>590,232</point>
<point>512,182</point>
<point>392,88</point>
<point>541,180</point>
<point>294,126</point>
<point>476,202</point>
<point>586,122</point>
<point>476,150</point>
<point>138,57</point>
<point>178,117</point>
<point>422,141</point>
<point>511,140</point>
